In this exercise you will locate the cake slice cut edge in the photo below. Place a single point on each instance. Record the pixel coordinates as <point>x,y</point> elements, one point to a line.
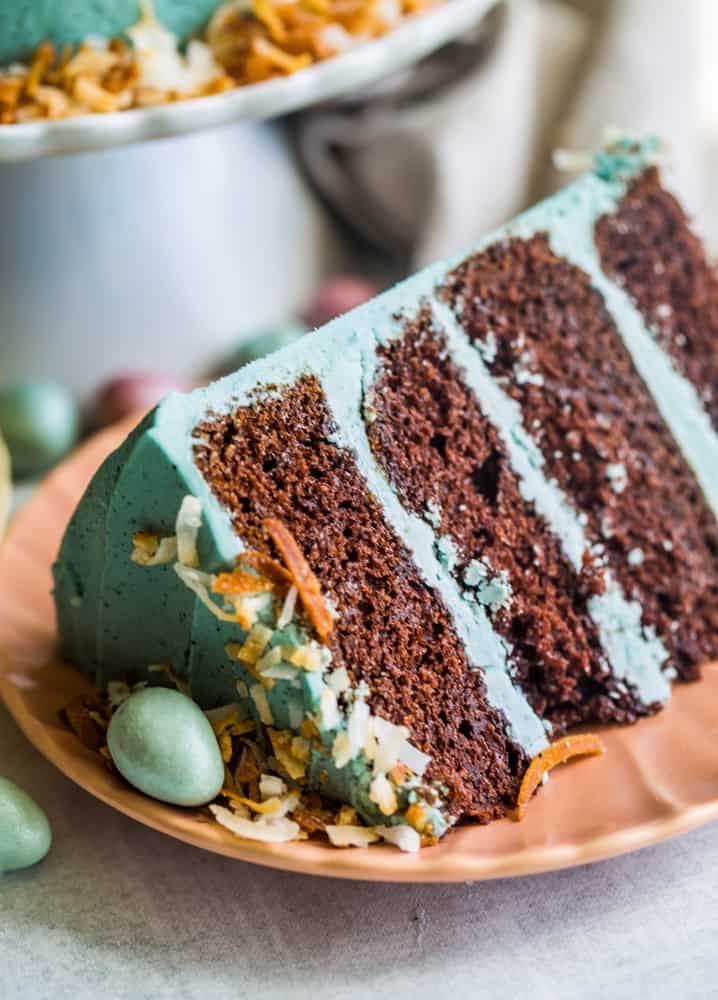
<point>512,524</point>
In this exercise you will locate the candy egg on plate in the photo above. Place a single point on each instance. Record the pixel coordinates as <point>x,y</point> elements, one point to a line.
<point>25,834</point>
<point>162,743</point>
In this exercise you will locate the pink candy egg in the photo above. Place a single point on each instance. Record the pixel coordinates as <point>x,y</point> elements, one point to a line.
<point>130,393</point>
<point>338,295</point>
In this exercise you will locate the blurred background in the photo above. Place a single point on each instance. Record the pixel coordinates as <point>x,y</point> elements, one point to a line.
<point>128,272</point>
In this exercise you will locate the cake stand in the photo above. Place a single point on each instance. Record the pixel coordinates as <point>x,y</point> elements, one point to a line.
<point>162,255</point>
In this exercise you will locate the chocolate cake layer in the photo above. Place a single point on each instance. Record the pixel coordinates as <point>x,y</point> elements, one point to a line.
<point>448,462</point>
<point>276,458</point>
<point>546,335</point>
<point>648,248</point>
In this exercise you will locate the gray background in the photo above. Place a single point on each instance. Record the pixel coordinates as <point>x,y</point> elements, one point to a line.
<point>119,911</point>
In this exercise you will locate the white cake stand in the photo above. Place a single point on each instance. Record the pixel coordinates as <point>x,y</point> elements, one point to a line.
<point>410,41</point>
<point>162,255</point>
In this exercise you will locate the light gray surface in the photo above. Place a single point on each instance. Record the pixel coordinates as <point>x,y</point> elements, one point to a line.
<point>118,911</point>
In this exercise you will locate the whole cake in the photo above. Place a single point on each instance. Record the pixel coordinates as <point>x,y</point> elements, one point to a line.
<point>424,541</point>
<point>80,57</point>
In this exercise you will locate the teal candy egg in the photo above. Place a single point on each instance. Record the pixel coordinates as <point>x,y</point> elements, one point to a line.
<point>162,743</point>
<point>25,834</point>
<point>39,421</point>
<point>260,344</point>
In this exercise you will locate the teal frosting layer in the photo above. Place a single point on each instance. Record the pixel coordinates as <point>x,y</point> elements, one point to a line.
<point>24,24</point>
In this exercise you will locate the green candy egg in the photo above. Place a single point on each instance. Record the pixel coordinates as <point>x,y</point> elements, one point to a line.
<point>25,834</point>
<point>40,422</point>
<point>163,744</point>
<point>260,344</point>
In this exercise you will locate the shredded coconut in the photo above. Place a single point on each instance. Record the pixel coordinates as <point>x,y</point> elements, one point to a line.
<point>189,521</point>
<point>404,837</point>
<point>271,830</point>
<point>352,836</point>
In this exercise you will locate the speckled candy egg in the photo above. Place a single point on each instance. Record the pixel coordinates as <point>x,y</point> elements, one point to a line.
<point>163,744</point>
<point>260,344</point>
<point>40,422</point>
<point>25,834</point>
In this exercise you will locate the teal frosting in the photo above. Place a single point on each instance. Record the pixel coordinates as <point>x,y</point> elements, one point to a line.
<point>117,617</point>
<point>24,24</point>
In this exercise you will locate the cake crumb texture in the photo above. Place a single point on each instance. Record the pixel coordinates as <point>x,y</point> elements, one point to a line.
<point>276,459</point>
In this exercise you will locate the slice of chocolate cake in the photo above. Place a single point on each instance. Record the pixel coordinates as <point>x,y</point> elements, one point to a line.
<point>423,541</point>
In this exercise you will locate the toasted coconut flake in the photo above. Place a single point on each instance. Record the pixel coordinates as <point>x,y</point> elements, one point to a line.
<point>81,714</point>
<point>390,739</point>
<point>338,680</point>
<point>288,803</point>
<point>358,724</point>
<point>399,774</point>
<point>417,817</point>
<point>267,567</point>
<point>559,752</point>
<point>278,830</point>
<point>90,62</point>
<point>277,58</point>
<point>247,769</point>
<point>189,521</point>
<point>381,792</point>
<point>149,550</point>
<point>306,582</point>
<point>254,645</point>
<point>199,583</point>
<point>310,822</point>
<point>328,709</point>
<point>402,836</point>
<point>266,12</point>
<point>370,744</point>
<point>228,727</point>
<point>271,786</point>
<point>301,748</point>
<point>415,759</point>
<point>352,836</point>
<point>308,729</point>
<point>347,816</point>
<point>42,60</point>
<point>224,712</point>
<point>239,581</point>
<point>282,741</point>
<point>295,710</point>
<point>267,807</point>
<point>259,697</point>
<point>342,750</point>
<point>308,657</point>
<point>272,658</point>
<point>248,606</point>
<point>281,672</point>
<point>95,98</point>
<point>288,607</point>
<point>237,807</point>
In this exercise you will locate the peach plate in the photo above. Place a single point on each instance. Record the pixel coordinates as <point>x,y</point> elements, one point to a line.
<point>657,779</point>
